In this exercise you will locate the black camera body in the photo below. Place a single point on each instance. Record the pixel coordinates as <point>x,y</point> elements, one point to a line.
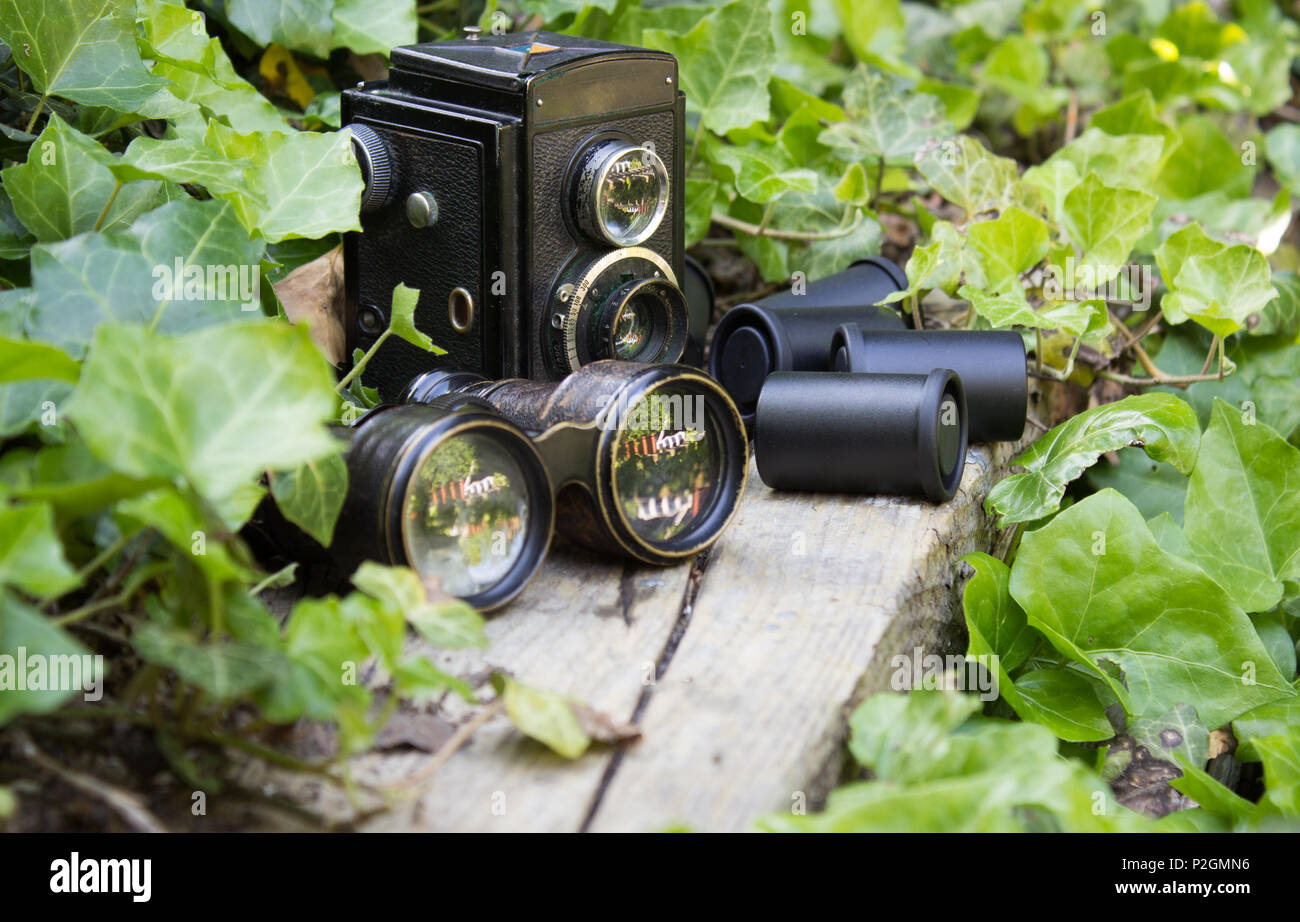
<point>530,186</point>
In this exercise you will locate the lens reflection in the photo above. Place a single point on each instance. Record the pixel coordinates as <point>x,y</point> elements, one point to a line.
<point>465,514</point>
<point>667,464</point>
<point>630,196</point>
<point>631,330</point>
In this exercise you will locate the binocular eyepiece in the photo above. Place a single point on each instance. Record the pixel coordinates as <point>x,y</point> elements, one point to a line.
<point>466,480</point>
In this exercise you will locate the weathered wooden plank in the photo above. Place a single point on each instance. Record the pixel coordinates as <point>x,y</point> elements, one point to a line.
<point>799,612</point>
<point>587,626</point>
<point>793,617</point>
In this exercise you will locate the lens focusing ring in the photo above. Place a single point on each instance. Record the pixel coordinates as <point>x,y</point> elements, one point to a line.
<point>376,165</point>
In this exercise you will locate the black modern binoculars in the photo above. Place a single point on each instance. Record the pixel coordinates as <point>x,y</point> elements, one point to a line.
<point>842,396</point>
<point>467,478</point>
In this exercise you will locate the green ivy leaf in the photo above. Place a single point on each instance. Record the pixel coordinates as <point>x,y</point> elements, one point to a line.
<point>179,160</point>
<point>1242,516</point>
<point>67,187</point>
<point>700,196</point>
<point>965,173</point>
<point>31,555</point>
<point>762,175</point>
<point>177,517</point>
<point>311,495</point>
<point>886,119</point>
<point>22,361</point>
<point>1064,701</point>
<point>1163,424</point>
<point>1217,285</point>
<point>226,670</point>
<point>301,25</point>
<point>1104,222</point>
<point>92,279</point>
<point>1096,584</point>
<point>443,621</point>
<point>303,184</point>
<point>1013,243</point>
<point>1135,114</point>
<point>981,776</point>
<point>545,716</point>
<point>1210,794</point>
<point>24,627</point>
<point>1178,732</point>
<point>1264,721</point>
<point>83,50</point>
<point>1125,161</point>
<point>1155,488</point>
<point>906,737</point>
<point>725,63</point>
<point>995,622</point>
<point>1203,161</point>
<point>403,322</point>
<point>1281,757</point>
<point>374,26</point>
<point>216,407</point>
<point>1011,309</point>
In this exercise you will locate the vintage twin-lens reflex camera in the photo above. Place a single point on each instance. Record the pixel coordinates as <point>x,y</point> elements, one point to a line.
<point>530,186</point>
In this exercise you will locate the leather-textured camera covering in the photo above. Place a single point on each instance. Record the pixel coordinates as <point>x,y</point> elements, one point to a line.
<point>489,127</point>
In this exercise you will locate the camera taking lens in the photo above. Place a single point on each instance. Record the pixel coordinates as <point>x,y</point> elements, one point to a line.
<point>649,460</point>
<point>624,305</point>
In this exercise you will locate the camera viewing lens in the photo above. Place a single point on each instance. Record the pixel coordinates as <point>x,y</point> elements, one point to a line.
<point>671,458</point>
<point>466,514</point>
<point>621,192</point>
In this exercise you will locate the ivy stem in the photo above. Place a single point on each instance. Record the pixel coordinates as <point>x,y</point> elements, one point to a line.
<point>95,563</point>
<point>360,365</point>
<point>90,608</point>
<point>99,222</point>
<point>36,113</point>
<point>767,216</point>
<point>1209,357</point>
<point>756,230</point>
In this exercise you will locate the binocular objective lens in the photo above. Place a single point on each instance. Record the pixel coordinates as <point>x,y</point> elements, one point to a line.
<point>466,514</point>
<point>667,464</point>
<point>950,444</point>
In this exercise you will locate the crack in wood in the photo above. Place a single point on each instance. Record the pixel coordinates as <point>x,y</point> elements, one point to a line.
<point>699,566</point>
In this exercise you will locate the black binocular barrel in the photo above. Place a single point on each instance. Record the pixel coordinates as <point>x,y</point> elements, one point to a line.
<point>862,433</point>
<point>790,332</point>
<point>700,296</point>
<point>990,363</point>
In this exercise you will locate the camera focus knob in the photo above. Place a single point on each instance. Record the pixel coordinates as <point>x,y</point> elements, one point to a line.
<point>376,165</point>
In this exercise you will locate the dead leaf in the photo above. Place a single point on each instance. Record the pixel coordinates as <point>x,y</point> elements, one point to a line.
<point>601,727</point>
<point>413,728</point>
<point>368,66</point>
<point>313,294</point>
<point>284,77</point>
